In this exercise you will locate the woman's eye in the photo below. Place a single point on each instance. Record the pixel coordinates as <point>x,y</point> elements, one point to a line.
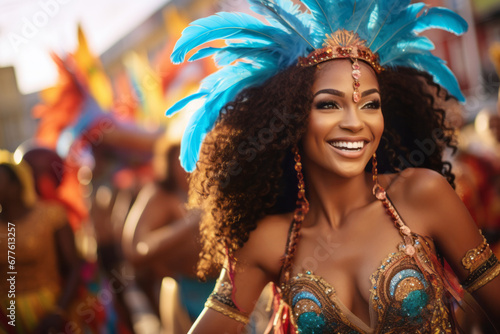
<point>372,105</point>
<point>327,105</point>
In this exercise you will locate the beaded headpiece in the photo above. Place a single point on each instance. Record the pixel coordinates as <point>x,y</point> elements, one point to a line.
<point>343,44</point>
<point>383,33</point>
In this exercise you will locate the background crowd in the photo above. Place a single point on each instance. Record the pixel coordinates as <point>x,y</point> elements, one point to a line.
<point>91,180</point>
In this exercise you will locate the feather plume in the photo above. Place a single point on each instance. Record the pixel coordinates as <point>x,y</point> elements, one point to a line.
<point>256,51</point>
<point>184,102</point>
<point>229,81</point>
<point>221,26</point>
<point>441,18</point>
<point>437,68</point>
<point>324,16</point>
<point>286,14</point>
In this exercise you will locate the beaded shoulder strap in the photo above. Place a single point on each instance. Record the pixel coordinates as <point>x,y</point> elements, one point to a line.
<point>404,230</point>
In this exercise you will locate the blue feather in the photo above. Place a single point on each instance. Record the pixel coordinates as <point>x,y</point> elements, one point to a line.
<point>203,53</point>
<point>235,51</point>
<point>286,14</point>
<point>182,103</point>
<point>320,10</point>
<point>387,9</point>
<point>221,26</point>
<point>437,68</point>
<point>203,120</point>
<point>419,44</point>
<point>441,18</point>
<point>410,24</point>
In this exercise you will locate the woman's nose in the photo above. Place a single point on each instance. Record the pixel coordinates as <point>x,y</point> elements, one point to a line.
<point>351,120</point>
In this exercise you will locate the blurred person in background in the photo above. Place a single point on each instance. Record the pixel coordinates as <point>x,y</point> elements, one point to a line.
<point>46,260</point>
<point>161,239</point>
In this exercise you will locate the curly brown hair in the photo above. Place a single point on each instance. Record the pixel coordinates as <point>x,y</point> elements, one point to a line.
<point>246,168</point>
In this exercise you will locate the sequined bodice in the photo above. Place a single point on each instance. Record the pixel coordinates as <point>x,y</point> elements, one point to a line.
<point>404,298</point>
<point>410,292</point>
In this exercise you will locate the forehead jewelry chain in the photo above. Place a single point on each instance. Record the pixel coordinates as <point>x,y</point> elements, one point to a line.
<point>356,74</point>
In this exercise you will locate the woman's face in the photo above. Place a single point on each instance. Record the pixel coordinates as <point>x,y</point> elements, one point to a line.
<point>342,135</point>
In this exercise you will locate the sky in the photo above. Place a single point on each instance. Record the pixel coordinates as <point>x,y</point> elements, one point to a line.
<point>31,29</point>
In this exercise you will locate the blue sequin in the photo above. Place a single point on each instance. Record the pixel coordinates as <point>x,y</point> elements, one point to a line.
<point>404,274</point>
<point>311,323</point>
<point>413,304</point>
<point>305,295</point>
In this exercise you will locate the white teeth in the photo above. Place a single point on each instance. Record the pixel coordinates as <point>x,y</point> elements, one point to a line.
<point>351,145</point>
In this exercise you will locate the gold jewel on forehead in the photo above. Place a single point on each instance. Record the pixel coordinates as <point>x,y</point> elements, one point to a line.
<point>356,75</point>
<point>344,44</point>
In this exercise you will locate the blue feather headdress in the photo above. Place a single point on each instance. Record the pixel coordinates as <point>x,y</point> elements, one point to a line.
<point>256,51</point>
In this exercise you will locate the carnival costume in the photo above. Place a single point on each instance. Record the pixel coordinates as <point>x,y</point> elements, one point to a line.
<point>35,254</point>
<point>410,291</point>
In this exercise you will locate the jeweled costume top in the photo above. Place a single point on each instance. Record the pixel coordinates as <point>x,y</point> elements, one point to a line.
<point>409,294</point>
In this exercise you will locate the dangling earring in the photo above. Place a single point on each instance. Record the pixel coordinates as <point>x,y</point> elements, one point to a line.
<point>302,202</point>
<point>298,216</point>
<point>378,191</point>
<point>374,168</point>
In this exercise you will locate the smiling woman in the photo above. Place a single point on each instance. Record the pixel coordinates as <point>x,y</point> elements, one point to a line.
<point>329,210</point>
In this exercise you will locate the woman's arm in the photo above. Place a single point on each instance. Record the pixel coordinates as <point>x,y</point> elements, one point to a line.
<point>455,233</point>
<point>157,225</point>
<point>257,264</point>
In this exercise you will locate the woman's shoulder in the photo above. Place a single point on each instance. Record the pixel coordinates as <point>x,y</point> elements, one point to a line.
<point>423,198</point>
<point>419,186</point>
<point>267,243</point>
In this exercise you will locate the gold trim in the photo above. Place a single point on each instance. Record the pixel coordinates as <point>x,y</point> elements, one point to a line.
<point>476,256</point>
<point>226,310</point>
<point>485,278</point>
<point>340,45</point>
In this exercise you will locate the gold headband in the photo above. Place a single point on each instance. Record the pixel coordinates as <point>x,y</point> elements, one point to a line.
<point>344,44</point>
<point>339,45</point>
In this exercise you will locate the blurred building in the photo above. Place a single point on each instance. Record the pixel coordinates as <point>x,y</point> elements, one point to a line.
<point>12,125</point>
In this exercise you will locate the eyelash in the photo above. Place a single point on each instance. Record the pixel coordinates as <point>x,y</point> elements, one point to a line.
<point>332,104</point>
<point>327,105</point>
<point>374,104</point>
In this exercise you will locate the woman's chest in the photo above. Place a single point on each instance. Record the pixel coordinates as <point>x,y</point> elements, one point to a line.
<point>404,292</point>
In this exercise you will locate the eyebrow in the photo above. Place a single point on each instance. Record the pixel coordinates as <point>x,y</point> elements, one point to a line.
<point>369,92</point>
<point>342,94</point>
<point>330,91</point>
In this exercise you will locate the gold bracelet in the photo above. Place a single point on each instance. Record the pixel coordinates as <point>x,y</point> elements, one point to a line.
<point>486,272</point>
<point>475,257</point>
